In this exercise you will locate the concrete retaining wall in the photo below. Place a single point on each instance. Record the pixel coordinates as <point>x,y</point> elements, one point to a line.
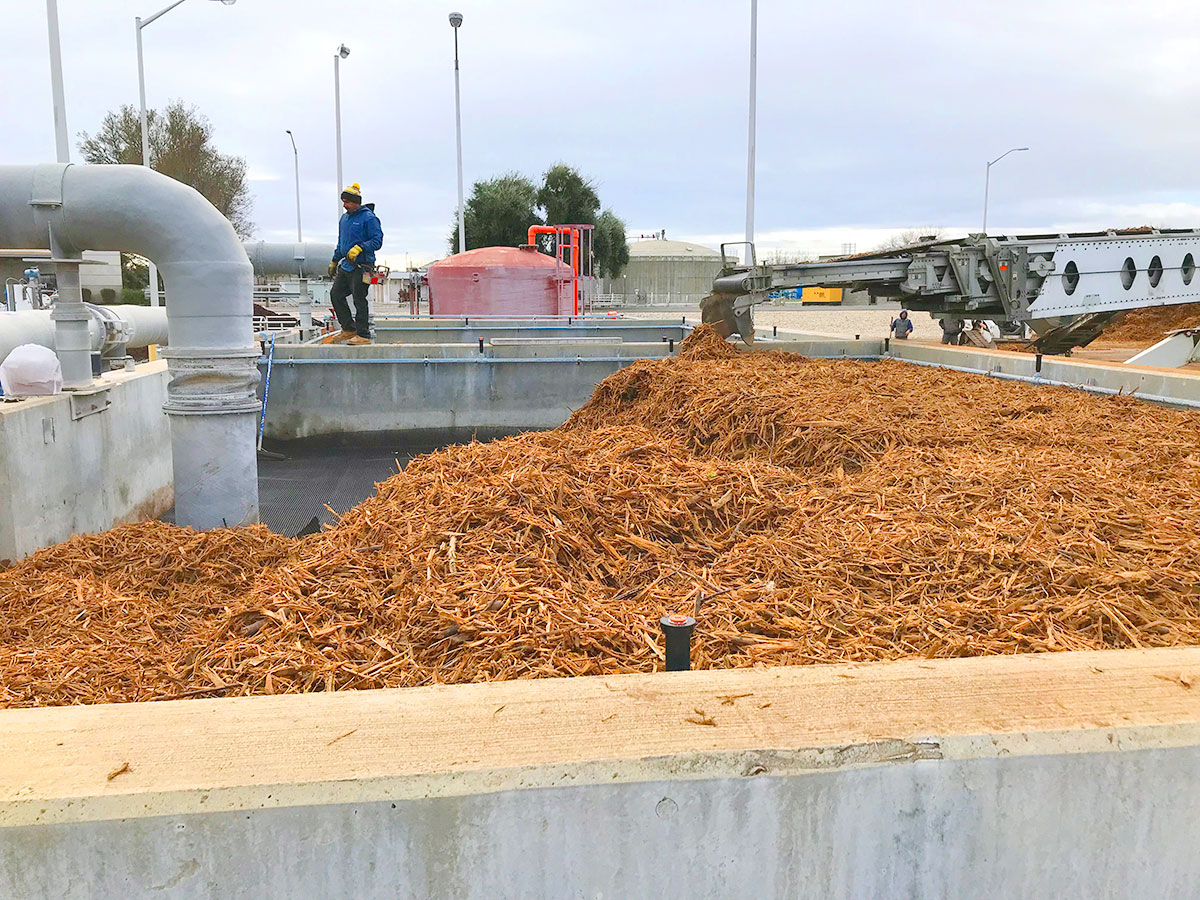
<point>66,470</point>
<point>1060,775</point>
<point>439,392</point>
<point>412,333</point>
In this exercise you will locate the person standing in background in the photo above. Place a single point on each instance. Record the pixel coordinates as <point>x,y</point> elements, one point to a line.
<point>359,235</point>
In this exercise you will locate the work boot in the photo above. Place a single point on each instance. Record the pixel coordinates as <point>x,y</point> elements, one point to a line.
<point>358,339</point>
<point>339,337</point>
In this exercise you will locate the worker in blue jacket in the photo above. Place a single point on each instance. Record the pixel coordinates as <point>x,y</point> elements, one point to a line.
<point>359,236</point>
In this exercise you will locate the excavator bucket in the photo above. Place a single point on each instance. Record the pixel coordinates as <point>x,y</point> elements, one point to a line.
<point>717,309</point>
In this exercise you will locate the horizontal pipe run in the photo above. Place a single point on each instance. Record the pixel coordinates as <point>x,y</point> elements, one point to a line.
<point>211,393</point>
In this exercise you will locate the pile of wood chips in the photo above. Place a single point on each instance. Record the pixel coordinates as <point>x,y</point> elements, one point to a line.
<point>805,511</point>
<point>1149,326</point>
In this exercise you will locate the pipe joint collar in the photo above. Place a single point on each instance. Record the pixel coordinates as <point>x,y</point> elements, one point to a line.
<point>211,382</point>
<point>69,311</point>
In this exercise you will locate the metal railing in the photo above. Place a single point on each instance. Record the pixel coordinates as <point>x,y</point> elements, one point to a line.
<point>274,323</point>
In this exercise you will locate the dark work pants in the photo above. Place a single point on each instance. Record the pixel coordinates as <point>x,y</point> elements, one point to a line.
<point>344,284</point>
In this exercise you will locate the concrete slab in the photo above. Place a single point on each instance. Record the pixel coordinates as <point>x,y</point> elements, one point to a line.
<point>1072,774</point>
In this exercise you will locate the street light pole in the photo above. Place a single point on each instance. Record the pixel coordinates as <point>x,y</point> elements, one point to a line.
<point>296,154</point>
<point>750,153</point>
<point>987,179</point>
<point>140,23</point>
<point>456,20</point>
<point>61,140</point>
<point>342,52</point>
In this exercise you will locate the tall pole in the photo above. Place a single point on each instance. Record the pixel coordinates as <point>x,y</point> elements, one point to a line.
<point>750,144</point>
<point>337,115</point>
<point>987,178</point>
<point>62,143</point>
<point>138,25</point>
<point>987,183</point>
<point>455,21</point>
<point>153,273</point>
<point>296,154</point>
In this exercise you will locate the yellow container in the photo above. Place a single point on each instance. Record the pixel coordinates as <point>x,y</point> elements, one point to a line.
<point>821,295</point>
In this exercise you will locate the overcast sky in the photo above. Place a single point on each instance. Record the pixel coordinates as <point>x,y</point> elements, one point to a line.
<point>873,115</point>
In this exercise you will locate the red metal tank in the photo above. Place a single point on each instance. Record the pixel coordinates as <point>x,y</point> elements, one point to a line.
<point>500,281</point>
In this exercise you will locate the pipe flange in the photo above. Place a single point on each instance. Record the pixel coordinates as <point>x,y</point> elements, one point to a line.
<point>207,382</point>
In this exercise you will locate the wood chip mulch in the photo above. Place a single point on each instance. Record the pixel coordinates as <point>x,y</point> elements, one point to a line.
<point>804,511</point>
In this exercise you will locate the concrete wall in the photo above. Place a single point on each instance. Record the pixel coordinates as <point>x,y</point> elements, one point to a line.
<point>1060,775</point>
<point>1172,385</point>
<point>415,332</point>
<point>63,473</point>
<point>96,277</point>
<point>663,280</point>
<point>437,392</point>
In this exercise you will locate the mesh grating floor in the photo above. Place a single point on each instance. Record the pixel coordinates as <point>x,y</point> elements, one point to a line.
<point>293,490</point>
<point>314,476</point>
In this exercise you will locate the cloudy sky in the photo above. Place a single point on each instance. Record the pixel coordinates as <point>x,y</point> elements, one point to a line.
<point>873,115</point>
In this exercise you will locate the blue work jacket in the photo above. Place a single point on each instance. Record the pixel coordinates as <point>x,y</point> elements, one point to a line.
<point>359,227</point>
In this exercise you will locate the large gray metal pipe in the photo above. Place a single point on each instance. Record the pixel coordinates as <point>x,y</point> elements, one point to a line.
<point>303,261</point>
<point>211,396</point>
<point>128,326</point>
<point>300,260</point>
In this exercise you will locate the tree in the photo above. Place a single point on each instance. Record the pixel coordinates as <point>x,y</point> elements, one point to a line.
<point>784,257</point>
<point>910,237</point>
<point>498,213</point>
<point>570,199</point>
<point>567,197</point>
<point>181,146</point>
<point>611,248</point>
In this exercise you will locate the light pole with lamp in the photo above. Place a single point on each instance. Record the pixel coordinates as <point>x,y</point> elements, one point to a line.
<point>139,24</point>
<point>342,52</point>
<point>987,179</point>
<point>296,155</point>
<point>456,19</point>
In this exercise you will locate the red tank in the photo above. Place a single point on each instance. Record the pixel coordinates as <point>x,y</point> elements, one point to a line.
<point>500,281</point>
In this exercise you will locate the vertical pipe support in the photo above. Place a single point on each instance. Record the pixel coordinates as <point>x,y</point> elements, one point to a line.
<point>72,338</point>
<point>305,304</point>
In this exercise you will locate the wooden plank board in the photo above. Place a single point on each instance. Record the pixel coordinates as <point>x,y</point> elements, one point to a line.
<point>107,761</point>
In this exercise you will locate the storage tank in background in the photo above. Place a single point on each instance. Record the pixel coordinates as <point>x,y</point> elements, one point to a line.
<point>500,281</point>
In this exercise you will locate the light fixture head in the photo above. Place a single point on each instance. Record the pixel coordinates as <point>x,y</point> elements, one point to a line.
<point>455,19</point>
<point>228,2</point>
<point>343,51</point>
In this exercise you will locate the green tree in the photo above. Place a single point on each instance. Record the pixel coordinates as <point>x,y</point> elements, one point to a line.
<point>611,248</point>
<point>181,146</point>
<point>498,213</point>
<point>567,197</point>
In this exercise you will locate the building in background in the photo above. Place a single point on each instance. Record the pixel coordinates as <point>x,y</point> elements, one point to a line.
<point>662,273</point>
<point>101,276</point>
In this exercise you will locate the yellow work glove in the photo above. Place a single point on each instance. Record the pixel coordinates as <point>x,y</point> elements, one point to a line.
<point>352,255</point>
<point>332,269</point>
